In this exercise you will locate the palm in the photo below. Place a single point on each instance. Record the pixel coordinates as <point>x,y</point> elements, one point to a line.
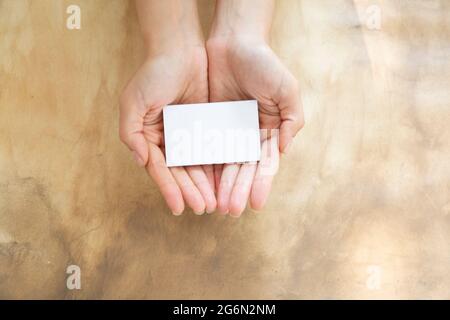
<point>169,80</point>
<point>179,77</point>
<point>238,75</point>
<point>249,70</point>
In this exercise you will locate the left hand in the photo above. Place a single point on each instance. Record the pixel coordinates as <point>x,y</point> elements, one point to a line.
<point>244,67</point>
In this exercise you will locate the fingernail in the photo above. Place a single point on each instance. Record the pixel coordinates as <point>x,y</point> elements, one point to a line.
<point>176,213</point>
<point>140,162</point>
<point>200,212</point>
<point>223,212</point>
<point>287,148</point>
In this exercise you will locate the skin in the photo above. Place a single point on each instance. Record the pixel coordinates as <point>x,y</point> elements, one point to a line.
<point>236,64</point>
<point>242,66</point>
<point>174,72</point>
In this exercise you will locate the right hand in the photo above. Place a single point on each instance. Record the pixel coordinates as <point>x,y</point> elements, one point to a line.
<point>173,77</point>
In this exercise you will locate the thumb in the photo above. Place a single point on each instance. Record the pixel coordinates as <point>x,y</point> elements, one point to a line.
<point>131,126</point>
<point>291,113</point>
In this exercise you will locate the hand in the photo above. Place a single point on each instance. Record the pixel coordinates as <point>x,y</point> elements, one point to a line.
<point>171,77</point>
<point>244,67</point>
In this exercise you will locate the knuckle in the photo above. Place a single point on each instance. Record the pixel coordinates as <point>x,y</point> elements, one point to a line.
<point>155,164</point>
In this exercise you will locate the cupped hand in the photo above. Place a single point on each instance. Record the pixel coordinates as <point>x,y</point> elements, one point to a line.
<point>174,77</point>
<point>246,68</point>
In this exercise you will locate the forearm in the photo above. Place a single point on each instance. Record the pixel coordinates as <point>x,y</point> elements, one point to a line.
<point>242,18</point>
<point>169,24</point>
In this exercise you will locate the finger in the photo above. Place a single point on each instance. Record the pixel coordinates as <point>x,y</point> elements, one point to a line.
<point>229,174</point>
<point>217,174</point>
<point>191,194</point>
<point>241,188</point>
<point>158,170</point>
<point>209,171</point>
<point>200,180</point>
<point>267,168</point>
<point>291,112</point>
<point>131,131</point>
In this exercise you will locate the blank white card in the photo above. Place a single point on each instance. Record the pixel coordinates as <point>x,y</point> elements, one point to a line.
<point>208,133</point>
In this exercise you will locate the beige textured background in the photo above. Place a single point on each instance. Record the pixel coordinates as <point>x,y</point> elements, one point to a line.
<point>359,209</point>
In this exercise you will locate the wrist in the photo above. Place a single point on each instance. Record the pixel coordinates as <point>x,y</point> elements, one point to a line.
<point>169,25</point>
<point>183,45</point>
<point>228,45</point>
<point>173,38</point>
<point>234,18</point>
